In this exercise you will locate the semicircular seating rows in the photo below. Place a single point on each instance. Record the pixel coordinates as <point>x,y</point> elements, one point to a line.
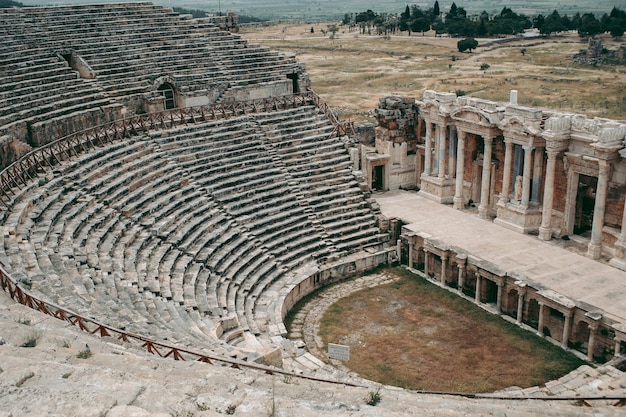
<point>188,234</point>
<point>123,51</point>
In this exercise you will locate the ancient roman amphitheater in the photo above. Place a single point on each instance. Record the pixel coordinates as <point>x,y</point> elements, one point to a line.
<point>170,191</point>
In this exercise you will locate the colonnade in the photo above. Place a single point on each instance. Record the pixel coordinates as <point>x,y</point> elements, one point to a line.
<point>525,294</point>
<point>521,203</point>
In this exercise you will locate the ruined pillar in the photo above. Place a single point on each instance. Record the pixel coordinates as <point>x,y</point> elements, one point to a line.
<point>619,259</point>
<point>483,208</point>
<point>545,231</point>
<point>444,266</point>
<point>442,152</point>
<point>425,261</point>
<point>427,149</point>
<point>461,264</point>
<point>399,250</point>
<point>540,322</point>
<point>528,156</point>
<point>459,201</point>
<point>595,246</point>
<point>411,248</point>
<point>618,347</point>
<point>593,328</point>
<point>520,307</point>
<point>506,178</point>
<point>566,328</point>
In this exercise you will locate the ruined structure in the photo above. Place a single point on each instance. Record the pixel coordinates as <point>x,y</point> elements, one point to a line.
<point>548,173</point>
<point>71,68</point>
<point>185,189</point>
<point>552,174</point>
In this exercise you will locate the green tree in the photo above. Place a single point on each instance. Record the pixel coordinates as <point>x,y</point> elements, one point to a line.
<point>589,25</point>
<point>467,44</point>
<point>333,29</point>
<point>436,10</point>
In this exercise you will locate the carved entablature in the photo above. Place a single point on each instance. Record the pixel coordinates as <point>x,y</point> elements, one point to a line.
<point>472,120</point>
<point>434,113</point>
<point>520,131</point>
<point>605,136</point>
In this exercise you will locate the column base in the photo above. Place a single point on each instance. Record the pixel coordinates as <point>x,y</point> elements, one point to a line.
<point>619,259</point>
<point>483,212</point>
<point>459,203</point>
<point>545,233</point>
<point>594,250</point>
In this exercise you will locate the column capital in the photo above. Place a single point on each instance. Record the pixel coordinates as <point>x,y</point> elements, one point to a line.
<point>528,148</point>
<point>552,153</point>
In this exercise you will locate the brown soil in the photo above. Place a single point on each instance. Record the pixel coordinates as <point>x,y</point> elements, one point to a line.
<point>353,71</point>
<point>415,335</point>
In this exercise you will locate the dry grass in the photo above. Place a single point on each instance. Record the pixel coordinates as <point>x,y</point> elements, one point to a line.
<point>415,335</point>
<point>353,71</point>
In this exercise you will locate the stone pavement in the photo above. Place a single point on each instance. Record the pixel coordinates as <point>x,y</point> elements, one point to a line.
<point>574,276</point>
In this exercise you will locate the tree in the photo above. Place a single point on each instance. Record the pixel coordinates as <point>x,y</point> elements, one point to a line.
<point>406,14</point>
<point>436,11</point>
<point>420,25</point>
<point>333,29</point>
<point>467,44</point>
<point>589,25</point>
<point>617,31</point>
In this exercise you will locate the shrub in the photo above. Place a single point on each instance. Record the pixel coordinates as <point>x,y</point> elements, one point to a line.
<point>373,397</point>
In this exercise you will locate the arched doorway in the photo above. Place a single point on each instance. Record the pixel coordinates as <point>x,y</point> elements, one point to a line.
<point>169,96</point>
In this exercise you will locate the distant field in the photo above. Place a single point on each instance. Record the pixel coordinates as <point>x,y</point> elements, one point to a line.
<point>353,71</point>
<point>322,10</point>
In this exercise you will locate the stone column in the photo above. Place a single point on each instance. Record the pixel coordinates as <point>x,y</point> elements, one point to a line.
<point>483,208</point>
<point>540,323</point>
<point>452,153</point>
<point>506,178</point>
<point>425,261</point>
<point>461,265</point>
<point>545,231</point>
<point>444,266</point>
<point>595,246</point>
<point>537,176</point>
<point>459,201</point>
<point>428,148</point>
<point>618,347</point>
<point>399,250</point>
<point>520,307</point>
<point>619,259</point>
<point>528,156</point>
<point>593,328</point>
<point>411,247</point>
<point>566,328</point>
<point>442,151</point>
<point>477,296</point>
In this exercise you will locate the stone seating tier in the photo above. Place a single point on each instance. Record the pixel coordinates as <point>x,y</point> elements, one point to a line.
<point>134,233</point>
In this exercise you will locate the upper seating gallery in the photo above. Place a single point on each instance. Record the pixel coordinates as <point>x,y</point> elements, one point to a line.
<point>69,68</point>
